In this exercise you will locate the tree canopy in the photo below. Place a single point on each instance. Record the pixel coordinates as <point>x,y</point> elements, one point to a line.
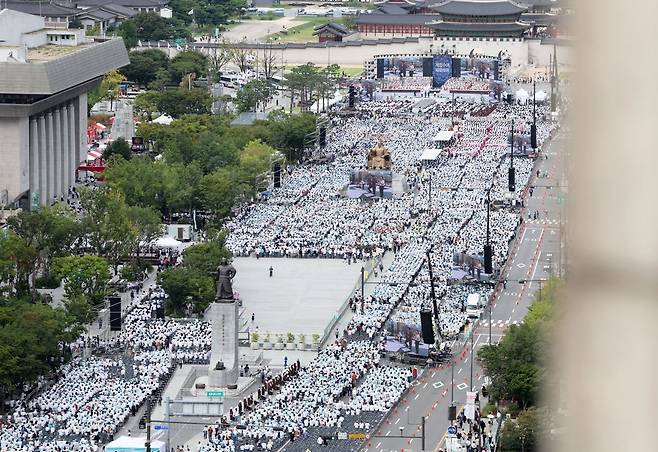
<point>517,365</point>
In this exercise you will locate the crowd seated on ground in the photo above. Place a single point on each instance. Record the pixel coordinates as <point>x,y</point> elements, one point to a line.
<point>443,213</point>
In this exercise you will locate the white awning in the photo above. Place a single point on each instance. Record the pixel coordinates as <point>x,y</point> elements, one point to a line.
<point>164,119</point>
<point>444,135</point>
<point>93,155</point>
<point>167,242</point>
<point>430,154</point>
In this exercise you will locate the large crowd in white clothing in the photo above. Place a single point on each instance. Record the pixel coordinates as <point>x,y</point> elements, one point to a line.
<point>443,213</point>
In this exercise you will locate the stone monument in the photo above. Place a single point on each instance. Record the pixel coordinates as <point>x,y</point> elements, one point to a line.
<point>222,314</point>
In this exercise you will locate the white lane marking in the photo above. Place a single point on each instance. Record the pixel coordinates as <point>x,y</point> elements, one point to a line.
<point>520,265</point>
<point>388,433</point>
<point>466,360</point>
<point>425,385</point>
<point>378,444</point>
<point>396,422</point>
<point>437,385</point>
<point>462,386</point>
<point>459,371</point>
<point>417,395</point>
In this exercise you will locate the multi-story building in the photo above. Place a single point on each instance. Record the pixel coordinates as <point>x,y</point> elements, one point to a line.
<point>45,75</point>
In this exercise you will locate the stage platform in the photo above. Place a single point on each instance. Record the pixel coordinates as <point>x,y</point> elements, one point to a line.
<point>302,296</point>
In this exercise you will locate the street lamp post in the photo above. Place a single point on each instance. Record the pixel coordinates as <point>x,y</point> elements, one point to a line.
<point>488,250</point>
<point>490,309</point>
<point>363,283</point>
<point>512,175</point>
<point>471,380</point>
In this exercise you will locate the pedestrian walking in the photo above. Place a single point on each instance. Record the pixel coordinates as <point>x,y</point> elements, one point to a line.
<point>271,271</point>
<point>285,361</point>
<point>253,317</point>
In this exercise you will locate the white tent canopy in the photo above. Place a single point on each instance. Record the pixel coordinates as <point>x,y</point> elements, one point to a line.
<point>444,135</point>
<point>540,96</point>
<point>163,119</point>
<point>430,154</point>
<point>167,242</point>
<point>522,95</point>
<point>133,444</point>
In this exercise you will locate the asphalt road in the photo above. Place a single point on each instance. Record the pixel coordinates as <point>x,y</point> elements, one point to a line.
<point>535,257</point>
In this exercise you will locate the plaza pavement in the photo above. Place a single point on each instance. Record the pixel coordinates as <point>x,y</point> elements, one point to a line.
<point>301,297</point>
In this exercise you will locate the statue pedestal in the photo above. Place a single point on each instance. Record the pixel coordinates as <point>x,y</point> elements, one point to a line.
<point>223,319</point>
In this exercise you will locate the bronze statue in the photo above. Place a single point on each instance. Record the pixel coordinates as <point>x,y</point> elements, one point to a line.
<point>379,157</point>
<point>224,274</point>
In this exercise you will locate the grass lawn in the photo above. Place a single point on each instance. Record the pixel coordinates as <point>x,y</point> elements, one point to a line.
<point>304,31</point>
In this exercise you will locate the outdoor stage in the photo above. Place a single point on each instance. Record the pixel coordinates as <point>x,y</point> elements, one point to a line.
<point>301,297</point>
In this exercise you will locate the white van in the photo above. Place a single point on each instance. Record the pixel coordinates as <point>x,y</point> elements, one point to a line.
<point>473,305</point>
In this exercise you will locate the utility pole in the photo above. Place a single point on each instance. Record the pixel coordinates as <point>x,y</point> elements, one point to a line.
<point>488,250</point>
<point>422,429</point>
<point>148,425</point>
<point>471,380</point>
<point>533,128</point>
<point>432,293</point>
<point>511,177</point>
<point>452,381</point>
<point>363,283</point>
<point>490,309</point>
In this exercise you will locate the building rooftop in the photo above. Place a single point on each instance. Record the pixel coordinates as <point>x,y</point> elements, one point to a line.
<point>331,27</point>
<point>479,27</point>
<point>43,8</point>
<point>50,69</point>
<point>477,7</point>
<point>407,19</point>
<point>52,52</point>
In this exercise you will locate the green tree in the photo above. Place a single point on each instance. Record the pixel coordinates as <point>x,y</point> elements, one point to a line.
<point>517,365</point>
<point>523,433</point>
<point>118,147</point>
<point>144,65</point>
<point>45,233</point>
<point>128,31</point>
<point>184,285</point>
<point>33,342</point>
<point>146,226</point>
<point>253,94</point>
<point>17,259</point>
<point>179,102</point>
<point>146,104</point>
<point>187,62</point>
<point>289,132</point>
<point>220,189</point>
<point>108,89</point>
<point>85,276</point>
<point>106,224</point>
<point>151,27</point>
<point>204,258</point>
<point>255,159</point>
<point>162,79</point>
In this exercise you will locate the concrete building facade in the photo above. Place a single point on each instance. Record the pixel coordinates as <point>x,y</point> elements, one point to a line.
<point>43,107</point>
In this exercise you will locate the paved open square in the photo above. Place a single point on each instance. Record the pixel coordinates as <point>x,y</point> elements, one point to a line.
<point>300,297</point>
